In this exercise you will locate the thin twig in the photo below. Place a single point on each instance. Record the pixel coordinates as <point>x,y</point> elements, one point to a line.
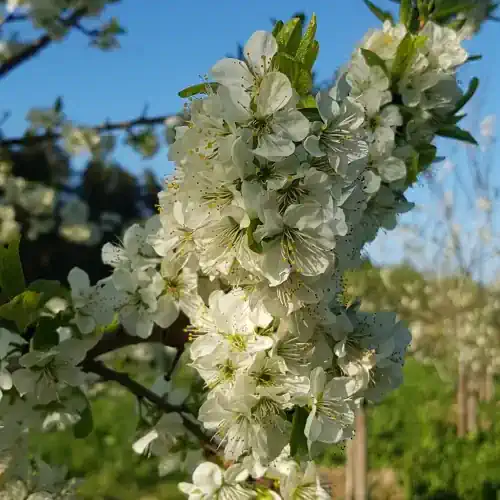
<point>97,367</point>
<point>39,44</point>
<point>104,127</point>
<point>173,336</point>
<point>12,18</point>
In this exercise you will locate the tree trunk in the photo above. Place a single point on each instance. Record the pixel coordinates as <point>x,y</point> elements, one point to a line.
<point>489,385</point>
<point>462,400</point>
<point>361,464</point>
<point>471,405</point>
<point>349,469</point>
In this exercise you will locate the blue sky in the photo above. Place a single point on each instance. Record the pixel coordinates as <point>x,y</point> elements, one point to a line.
<point>170,44</point>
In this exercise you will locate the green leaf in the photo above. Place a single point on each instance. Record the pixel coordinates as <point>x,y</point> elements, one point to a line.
<point>85,425</point>
<point>278,26</point>
<point>412,169</point>
<point>252,244</point>
<point>473,85</point>
<point>404,56</point>
<point>23,309</point>
<point>475,57</point>
<point>307,102</point>
<point>454,132</point>
<point>290,36</point>
<point>312,55</point>
<point>299,76</point>
<point>46,335</point>
<point>298,440</point>
<point>446,12</point>
<point>426,155</point>
<point>307,50</point>
<point>373,59</point>
<point>405,12</point>
<point>200,88</point>
<point>11,269</point>
<point>49,289</point>
<point>383,15</point>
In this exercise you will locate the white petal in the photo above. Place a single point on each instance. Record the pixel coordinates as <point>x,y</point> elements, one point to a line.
<point>275,91</point>
<point>232,72</point>
<point>167,312</point>
<point>24,381</point>
<point>5,381</point>
<point>311,145</point>
<point>208,475</point>
<point>292,123</point>
<point>78,279</point>
<point>259,51</point>
<point>392,169</point>
<point>273,146</point>
<point>318,380</point>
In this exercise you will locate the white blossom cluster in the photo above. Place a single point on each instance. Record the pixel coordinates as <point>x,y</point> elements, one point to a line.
<point>270,203</point>
<point>43,209</point>
<point>46,14</point>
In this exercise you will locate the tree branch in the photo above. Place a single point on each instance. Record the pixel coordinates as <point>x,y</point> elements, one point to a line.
<point>97,367</point>
<point>173,336</point>
<point>104,127</point>
<point>12,18</point>
<point>41,43</point>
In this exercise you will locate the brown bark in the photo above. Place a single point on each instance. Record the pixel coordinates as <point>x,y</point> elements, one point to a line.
<point>471,405</point>
<point>349,469</point>
<point>361,463</point>
<point>462,400</point>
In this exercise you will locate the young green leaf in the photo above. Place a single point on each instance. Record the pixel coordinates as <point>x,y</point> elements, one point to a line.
<point>373,59</point>
<point>23,309</point>
<point>454,132</point>
<point>307,42</point>
<point>200,88</point>
<point>446,12</point>
<point>473,85</point>
<point>49,289</point>
<point>298,441</point>
<point>290,36</point>
<point>383,15</point>
<point>255,246</point>
<point>11,269</point>
<point>405,12</point>
<point>404,56</point>
<point>278,25</point>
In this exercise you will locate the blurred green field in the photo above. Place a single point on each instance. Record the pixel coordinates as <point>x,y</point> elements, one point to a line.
<point>412,432</point>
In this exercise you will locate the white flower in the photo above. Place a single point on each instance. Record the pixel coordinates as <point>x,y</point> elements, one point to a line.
<point>146,302</point>
<point>210,482</point>
<point>275,123</point>
<point>331,417</point>
<point>93,306</point>
<point>136,251</point>
<point>43,371</point>
<point>340,137</point>
<point>369,84</point>
<point>443,46</point>
<point>299,484</point>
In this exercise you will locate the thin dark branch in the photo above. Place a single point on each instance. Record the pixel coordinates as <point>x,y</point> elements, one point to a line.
<point>39,44</point>
<point>104,127</point>
<point>13,18</point>
<point>92,33</point>
<point>173,336</point>
<point>99,368</point>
